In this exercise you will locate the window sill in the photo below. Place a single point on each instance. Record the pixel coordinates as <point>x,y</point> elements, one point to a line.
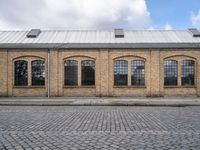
<point>29,86</point>
<point>124,86</point>
<point>83,86</point>
<point>179,86</point>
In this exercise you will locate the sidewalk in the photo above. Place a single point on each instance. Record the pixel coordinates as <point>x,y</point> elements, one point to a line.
<point>104,101</point>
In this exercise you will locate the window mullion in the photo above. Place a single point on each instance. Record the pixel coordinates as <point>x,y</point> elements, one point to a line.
<point>129,72</point>
<point>179,73</point>
<point>79,73</point>
<point>195,73</point>
<point>29,73</point>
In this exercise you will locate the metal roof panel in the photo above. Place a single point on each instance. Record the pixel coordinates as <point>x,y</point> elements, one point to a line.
<point>99,37</point>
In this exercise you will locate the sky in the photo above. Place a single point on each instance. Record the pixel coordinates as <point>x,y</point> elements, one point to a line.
<point>99,14</point>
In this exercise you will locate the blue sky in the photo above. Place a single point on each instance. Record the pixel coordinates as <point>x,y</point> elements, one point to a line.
<point>99,14</point>
<point>177,13</point>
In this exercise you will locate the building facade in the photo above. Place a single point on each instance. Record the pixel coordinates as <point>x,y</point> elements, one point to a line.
<point>99,63</point>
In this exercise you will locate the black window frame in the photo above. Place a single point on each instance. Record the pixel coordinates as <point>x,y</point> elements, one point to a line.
<point>138,73</point>
<point>120,73</point>
<point>88,73</point>
<point>38,73</point>
<point>170,72</point>
<point>21,80</point>
<point>70,73</point>
<point>188,70</point>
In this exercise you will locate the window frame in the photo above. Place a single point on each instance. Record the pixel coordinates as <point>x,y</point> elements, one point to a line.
<point>14,75</point>
<point>132,73</point>
<point>126,69</point>
<point>35,60</point>
<point>77,65</point>
<point>194,73</point>
<point>29,60</point>
<point>81,73</point>
<point>177,73</point>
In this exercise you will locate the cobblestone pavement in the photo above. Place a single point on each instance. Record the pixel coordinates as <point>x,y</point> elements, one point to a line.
<point>99,127</point>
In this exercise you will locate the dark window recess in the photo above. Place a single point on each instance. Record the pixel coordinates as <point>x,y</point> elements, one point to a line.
<point>137,72</point>
<point>21,73</point>
<point>71,72</point>
<point>88,72</point>
<point>170,72</point>
<point>38,72</point>
<point>187,72</point>
<point>120,72</point>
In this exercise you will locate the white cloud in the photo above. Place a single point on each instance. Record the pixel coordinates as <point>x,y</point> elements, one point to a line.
<point>74,14</point>
<point>195,18</point>
<point>167,27</point>
<point>151,28</point>
<point>3,24</point>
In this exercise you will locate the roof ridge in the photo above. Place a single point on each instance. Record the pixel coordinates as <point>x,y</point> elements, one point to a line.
<point>93,30</point>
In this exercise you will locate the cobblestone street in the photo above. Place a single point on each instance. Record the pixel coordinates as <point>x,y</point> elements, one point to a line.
<point>99,127</point>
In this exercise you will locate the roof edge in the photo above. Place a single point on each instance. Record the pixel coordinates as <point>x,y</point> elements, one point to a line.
<point>100,46</point>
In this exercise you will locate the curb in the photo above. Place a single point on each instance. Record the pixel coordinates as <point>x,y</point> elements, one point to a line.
<point>104,101</point>
<point>112,103</point>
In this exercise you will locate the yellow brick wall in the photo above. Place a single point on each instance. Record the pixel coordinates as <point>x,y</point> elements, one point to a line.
<point>54,77</point>
<point>28,55</point>
<point>104,72</point>
<point>180,55</point>
<point>3,73</point>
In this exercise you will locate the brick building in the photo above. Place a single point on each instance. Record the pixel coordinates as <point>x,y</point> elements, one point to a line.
<point>100,63</point>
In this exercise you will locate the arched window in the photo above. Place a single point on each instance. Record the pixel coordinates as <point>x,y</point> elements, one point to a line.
<point>71,72</point>
<point>38,72</point>
<point>21,73</point>
<point>88,72</point>
<point>170,72</point>
<point>137,72</point>
<point>121,72</point>
<point>187,72</point>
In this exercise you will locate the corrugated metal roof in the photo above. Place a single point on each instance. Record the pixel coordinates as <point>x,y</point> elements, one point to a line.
<point>98,39</point>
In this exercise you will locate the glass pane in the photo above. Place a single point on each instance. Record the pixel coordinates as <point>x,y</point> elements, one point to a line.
<point>88,72</point>
<point>71,72</point>
<point>21,73</point>
<point>170,72</point>
<point>137,72</point>
<point>38,72</point>
<point>121,72</point>
<point>187,73</point>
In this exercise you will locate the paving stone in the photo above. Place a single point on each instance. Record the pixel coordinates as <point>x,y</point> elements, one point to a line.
<point>102,127</point>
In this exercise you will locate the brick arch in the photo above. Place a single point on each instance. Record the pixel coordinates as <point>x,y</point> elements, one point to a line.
<point>131,56</point>
<point>83,56</point>
<point>30,56</point>
<point>120,59</point>
<point>173,57</point>
<point>87,60</point>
